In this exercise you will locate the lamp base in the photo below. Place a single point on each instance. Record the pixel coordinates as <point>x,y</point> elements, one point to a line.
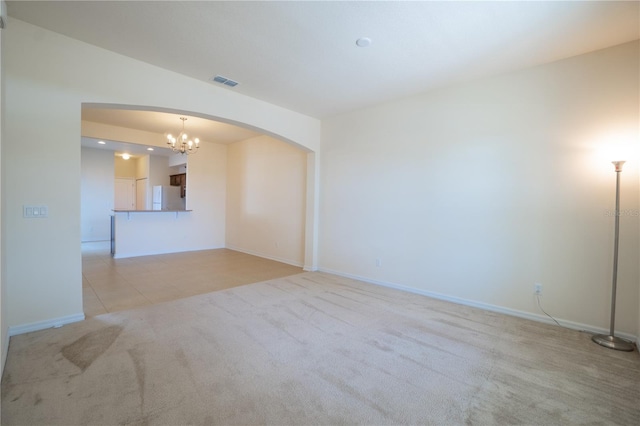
<point>613,342</point>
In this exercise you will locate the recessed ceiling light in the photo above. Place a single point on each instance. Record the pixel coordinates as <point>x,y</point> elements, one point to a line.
<point>125,156</point>
<point>363,42</point>
<point>101,142</point>
<point>149,149</point>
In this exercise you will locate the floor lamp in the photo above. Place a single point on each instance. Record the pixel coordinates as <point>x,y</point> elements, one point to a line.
<point>611,341</point>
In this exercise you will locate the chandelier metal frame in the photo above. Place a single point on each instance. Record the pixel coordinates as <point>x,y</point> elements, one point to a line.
<point>182,143</point>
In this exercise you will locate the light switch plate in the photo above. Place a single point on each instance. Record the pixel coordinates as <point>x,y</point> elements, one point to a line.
<point>32,212</point>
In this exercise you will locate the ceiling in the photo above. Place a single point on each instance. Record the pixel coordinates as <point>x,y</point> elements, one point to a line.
<point>303,55</point>
<point>133,149</point>
<point>161,123</point>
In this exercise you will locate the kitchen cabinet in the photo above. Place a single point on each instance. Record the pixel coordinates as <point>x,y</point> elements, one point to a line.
<point>181,181</point>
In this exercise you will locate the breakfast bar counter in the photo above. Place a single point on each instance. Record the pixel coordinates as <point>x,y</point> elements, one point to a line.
<point>147,232</point>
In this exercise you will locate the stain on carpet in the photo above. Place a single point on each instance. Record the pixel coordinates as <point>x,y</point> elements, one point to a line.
<point>182,358</point>
<point>84,351</point>
<point>139,367</point>
<point>7,385</point>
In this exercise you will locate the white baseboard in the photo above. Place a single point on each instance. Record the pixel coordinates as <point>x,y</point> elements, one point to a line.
<point>121,255</point>
<point>5,351</point>
<point>488,307</point>
<point>42,325</point>
<point>266,256</point>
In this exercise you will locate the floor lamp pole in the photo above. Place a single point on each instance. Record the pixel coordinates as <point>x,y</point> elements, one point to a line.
<point>611,341</point>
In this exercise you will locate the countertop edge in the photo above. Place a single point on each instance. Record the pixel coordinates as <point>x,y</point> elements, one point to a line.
<point>150,211</point>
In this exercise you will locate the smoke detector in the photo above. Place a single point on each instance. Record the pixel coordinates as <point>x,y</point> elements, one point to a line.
<point>363,42</point>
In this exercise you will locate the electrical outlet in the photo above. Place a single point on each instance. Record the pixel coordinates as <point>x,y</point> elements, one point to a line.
<point>537,288</point>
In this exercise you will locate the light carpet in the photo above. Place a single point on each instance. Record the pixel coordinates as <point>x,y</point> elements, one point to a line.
<point>314,348</point>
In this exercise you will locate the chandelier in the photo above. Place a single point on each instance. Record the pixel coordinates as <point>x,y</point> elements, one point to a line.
<point>182,143</point>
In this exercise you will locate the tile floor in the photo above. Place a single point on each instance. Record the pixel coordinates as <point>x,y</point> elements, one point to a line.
<point>110,285</point>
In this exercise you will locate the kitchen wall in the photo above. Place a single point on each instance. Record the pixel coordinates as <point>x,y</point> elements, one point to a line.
<point>43,161</point>
<point>96,194</point>
<point>478,191</point>
<point>125,168</point>
<point>98,167</point>
<point>142,167</point>
<point>140,234</point>
<point>159,172</point>
<point>266,193</point>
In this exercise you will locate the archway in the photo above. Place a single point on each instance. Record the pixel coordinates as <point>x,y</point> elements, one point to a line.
<point>311,180</point>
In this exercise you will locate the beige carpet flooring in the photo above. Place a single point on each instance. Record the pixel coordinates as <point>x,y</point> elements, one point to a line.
<point>314,348</point>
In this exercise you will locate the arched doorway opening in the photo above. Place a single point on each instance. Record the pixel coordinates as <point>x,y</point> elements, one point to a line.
<point>262,173</point>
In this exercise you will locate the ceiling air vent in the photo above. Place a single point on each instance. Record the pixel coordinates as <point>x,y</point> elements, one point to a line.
<point>224,80</point>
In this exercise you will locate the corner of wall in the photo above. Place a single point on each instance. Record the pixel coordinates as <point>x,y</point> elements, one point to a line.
<point>638,216</point>
<point>4,330</point>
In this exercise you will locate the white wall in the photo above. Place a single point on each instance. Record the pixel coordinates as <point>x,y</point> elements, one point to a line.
<point>266,196</point>
<point>96,194</point>
<point>125,168</point>
<point>478,191</point>
<point>139,234</point>
<point>94,130</point>
<point>155,167</point>
<point>97,189</point>
<point>43,161</point>
<point>159,170</point>
<point>142,167</point>
<point>178,163</point>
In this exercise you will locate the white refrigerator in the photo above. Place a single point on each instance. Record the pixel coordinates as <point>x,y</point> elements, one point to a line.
<point>167,198</point>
